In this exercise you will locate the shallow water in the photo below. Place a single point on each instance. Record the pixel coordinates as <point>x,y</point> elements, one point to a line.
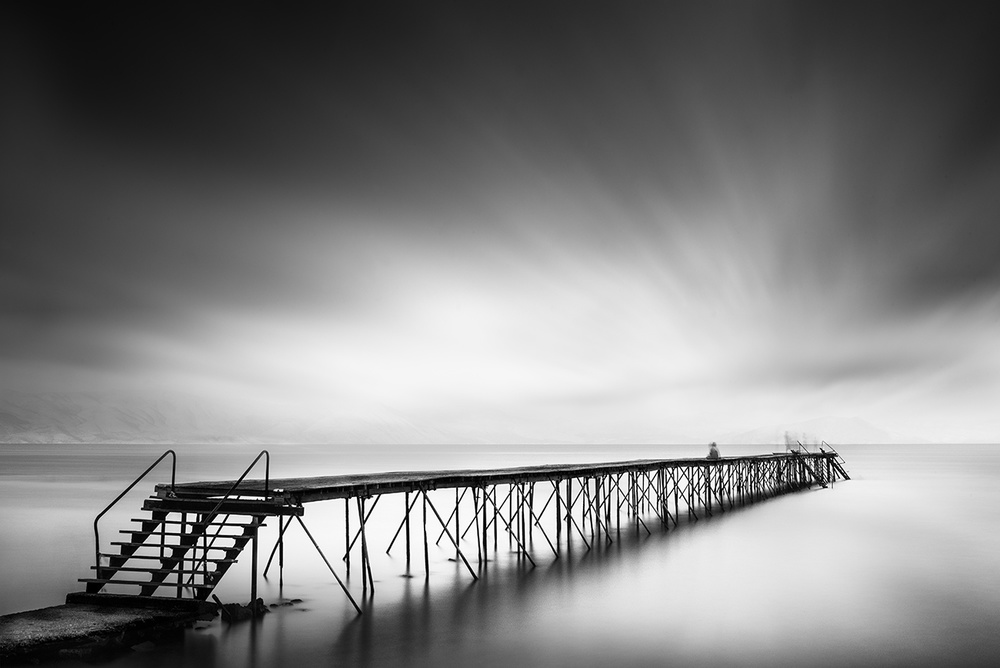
<point>899,566</point>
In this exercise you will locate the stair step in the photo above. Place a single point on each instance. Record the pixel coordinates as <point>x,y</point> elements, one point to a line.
<point>141,583</point>
<point>148,557</point>
<point>198,540</point>
<point>193,546</point>
<point>183,533</point>
<point>139,569</point>
<point>190,552</point>
<point>210,524</point>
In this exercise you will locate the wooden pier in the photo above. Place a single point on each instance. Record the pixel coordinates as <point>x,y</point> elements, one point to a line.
<point>192,533</point>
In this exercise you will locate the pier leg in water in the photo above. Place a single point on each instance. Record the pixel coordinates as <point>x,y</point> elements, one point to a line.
<point>366,569</point>
<point>427,556</point>
<point>253,573</point>
<point>708,491</point>
<point>618,506</point>
<point>531,512</point>
<point>279,544</point>
<point>522,527</point>
<point>407,501</point>
<point>486,544</point>
<point>475,511</point>
<point>510,516</point>
<point>180,584</point>
<point>360,503</point>
<point>558,517</point>
<point>569,514</point>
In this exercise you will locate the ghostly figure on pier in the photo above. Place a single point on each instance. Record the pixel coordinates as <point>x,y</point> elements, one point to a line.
<point>713,451</point>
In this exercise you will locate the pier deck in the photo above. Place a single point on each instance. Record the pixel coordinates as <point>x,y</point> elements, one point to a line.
<point>324,488</point>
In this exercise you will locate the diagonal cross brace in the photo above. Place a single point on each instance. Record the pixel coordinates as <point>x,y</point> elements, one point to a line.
<point>448,533</point>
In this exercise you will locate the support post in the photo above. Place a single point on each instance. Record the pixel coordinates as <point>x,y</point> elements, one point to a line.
<point>366,564</point>
<point>475,513</point>
<point>458,502</point>
<point>282,527</point>
<point>347,535</point>
<point>618,506</point>
<point>253,571</point>
<point>180,566</point>
<point>427,556</point>
<point>558,517</point>
<point>486,545</point>
<point>708,489</point>
<point>407,520</point>
<point>569,514</point>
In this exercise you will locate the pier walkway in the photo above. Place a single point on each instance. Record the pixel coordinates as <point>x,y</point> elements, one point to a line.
<point>191,533</point>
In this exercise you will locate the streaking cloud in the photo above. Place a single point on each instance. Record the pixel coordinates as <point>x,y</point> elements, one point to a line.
<point>661,224</point>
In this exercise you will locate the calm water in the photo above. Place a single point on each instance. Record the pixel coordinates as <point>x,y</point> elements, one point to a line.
<point>900,566</point>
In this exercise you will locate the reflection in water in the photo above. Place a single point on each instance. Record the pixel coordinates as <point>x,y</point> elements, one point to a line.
<point>896,567</point>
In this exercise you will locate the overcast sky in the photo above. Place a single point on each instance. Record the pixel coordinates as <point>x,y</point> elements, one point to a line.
<point>687,218</point>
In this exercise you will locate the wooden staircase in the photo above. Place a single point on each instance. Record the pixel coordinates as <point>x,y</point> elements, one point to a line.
<point>182,547</point>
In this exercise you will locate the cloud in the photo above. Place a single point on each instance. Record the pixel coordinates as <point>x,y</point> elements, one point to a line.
<point>691,215</point>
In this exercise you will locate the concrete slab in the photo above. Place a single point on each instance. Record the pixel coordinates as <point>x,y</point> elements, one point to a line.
<point>86,630</point>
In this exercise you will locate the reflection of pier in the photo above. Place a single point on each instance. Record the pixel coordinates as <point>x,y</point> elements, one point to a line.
<point>193,532</point>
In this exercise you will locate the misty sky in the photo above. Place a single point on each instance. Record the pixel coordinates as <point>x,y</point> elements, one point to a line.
<point>620,220</point>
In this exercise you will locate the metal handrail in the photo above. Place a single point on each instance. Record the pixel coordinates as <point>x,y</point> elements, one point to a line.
<point>833,450</point>
<point>173,478</point>
<point>267,479</point>
<point>839,461</point>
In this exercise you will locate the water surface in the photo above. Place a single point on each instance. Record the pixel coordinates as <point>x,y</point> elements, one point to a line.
<point>896,567</point>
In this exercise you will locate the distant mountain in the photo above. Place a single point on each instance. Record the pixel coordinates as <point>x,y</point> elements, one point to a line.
<point>110,417</point>
<point>104,417</point>
<point>98,417</point>
<point>833,430</point>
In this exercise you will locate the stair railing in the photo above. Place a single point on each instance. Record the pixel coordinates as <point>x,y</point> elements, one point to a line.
<point>173,478</point>
<point>267,479</point>
<point>839,462</point>
<point>267,482</point>
<point>830,448</point>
